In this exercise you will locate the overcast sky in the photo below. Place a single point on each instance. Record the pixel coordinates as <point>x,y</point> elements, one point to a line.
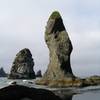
<point>22,25</point>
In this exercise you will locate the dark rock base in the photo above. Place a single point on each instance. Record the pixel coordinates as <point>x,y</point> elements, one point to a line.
<point>17,92</point>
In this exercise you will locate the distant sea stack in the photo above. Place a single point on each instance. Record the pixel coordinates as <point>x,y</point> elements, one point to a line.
<point>2,73</point>
<point>39,74</point>
<point>22,67</point>
<point>60,48</point>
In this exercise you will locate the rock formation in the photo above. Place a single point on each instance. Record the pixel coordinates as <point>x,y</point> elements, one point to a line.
<point>39,74</point>
<point>18,92</point>
<point>2,73</point>
<point>59,72</point>
<point>23,66</point>
<point>60,48</point>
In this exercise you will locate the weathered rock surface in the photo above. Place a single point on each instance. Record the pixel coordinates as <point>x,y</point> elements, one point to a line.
<point>17,92</point>
<point>2,73</point>
<point>60,48</point>
<point>23,66</point>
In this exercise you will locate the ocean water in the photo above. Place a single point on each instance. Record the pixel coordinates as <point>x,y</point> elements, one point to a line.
<point>88,93</point>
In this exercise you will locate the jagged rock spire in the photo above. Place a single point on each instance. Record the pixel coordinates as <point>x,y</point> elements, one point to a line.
<point>60,48</point>
<point>23,65</point>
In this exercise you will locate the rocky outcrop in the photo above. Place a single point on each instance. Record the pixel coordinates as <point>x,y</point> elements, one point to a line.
<point>60,48</point>
<point>92,81</point>
<point>23,66</point>
<point>2,73</point>
<point>17,92</point>
<point>71,82</point>
<point>39,74</point>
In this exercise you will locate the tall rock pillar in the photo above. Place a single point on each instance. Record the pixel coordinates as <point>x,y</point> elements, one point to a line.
<point>60,48</point>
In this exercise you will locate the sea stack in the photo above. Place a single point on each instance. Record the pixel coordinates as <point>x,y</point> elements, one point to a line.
<point>39,73</point>
<point>2,72</point>
<point>22,67</point>
<point>60,48</point>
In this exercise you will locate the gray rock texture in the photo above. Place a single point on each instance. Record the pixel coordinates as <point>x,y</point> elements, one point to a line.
<point>23,66</point>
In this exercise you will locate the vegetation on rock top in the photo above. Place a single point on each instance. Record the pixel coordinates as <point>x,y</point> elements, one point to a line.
<point>55,15</point>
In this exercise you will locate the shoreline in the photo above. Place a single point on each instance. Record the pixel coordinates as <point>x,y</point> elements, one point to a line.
<point>68,92</point>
